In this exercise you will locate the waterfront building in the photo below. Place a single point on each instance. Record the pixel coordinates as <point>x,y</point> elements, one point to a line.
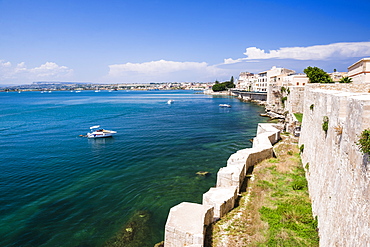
<point>295,80</point>
<point>262,80</point>
<point>246,81</point>
<point>273,77</point>
<point>360,71</point>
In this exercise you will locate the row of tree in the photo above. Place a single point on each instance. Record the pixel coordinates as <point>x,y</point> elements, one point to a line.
<point>317,75</point>
<point>223,85</point>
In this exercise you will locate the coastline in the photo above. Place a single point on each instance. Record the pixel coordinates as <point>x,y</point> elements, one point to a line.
<point>221,199</point>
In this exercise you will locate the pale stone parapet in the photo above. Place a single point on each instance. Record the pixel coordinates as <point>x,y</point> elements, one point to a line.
<point>238,163</point>
<point>186,224</point>
<point>259,155</point>
<point>222,199</point>
<point>230,176</point>
<point>268,130</point>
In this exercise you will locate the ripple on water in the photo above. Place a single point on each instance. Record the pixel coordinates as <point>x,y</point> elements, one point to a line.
<point>59,188</point>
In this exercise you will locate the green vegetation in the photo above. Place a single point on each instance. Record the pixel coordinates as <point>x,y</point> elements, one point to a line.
<point>299,116</point>
<point>317,75</point>
<point>276,211</point>
<point>325,124</point>
<point>364,141</point>
<point>345,80</point>
<point>273,160</point>
<point>311,107</point>
<point>135,233</point>
<point>283,99</point>
<point>301,148</point>
<point>288,210</point>
<point>223,85</point>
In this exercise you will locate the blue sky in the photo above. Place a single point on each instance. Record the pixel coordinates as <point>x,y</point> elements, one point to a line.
<point>157,41</point>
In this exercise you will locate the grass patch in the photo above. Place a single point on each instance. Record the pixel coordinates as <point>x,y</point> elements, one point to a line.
<point>299,116</point>
<point>273,160</point>
<point>276,209</point>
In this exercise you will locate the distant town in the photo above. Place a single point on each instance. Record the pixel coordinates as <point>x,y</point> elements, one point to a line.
<point>74,86</point>
<point>262,82</point>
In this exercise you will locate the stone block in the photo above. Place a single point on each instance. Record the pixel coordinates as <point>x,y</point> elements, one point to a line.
<point>186,224</point>
<point>222,199</point>
<point>230,176</point>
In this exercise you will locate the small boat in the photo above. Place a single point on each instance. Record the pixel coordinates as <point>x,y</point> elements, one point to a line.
<point>224,105</point>
<point>170,101</point>
<point>97,132</point>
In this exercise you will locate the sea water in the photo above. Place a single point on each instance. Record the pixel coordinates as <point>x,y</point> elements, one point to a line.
<point>60,189</point>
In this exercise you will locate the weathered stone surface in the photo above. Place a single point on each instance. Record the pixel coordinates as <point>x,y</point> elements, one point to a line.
<point>186,224</point>
<point>230,176</point>
<point>239,162</point>
<point>338,173</point>
<point>222,199</point>
<point>272,131</point>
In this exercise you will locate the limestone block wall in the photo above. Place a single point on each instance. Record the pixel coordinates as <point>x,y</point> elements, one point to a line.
<point>338,173</point>
<point>186,223</point>
<point>293,104</point>
<point>295,99</point>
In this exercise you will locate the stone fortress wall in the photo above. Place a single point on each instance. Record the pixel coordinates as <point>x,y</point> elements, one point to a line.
<point>187,222</point>
<point>338,173</point>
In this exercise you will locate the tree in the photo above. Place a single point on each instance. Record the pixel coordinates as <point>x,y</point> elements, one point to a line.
<point>229,84</point>
<point>345,80</point>
<point>218,87</point>
<point>317,75</point>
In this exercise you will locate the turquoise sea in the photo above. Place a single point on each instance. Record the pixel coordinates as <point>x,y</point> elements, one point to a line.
<point>60,189</point>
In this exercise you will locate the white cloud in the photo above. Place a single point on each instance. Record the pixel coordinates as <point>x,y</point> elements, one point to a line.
<point>163,70</point>
<point>316,52</point>
<point>20,73</point>
<point>51,70</point>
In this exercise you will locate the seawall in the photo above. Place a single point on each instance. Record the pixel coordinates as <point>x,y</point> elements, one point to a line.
<point>187,222</point>
<point>338,173</point>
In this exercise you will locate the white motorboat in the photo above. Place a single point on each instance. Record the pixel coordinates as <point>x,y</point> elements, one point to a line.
<point>224,105</point>
<point>97,132</point>
<point>170,101</point>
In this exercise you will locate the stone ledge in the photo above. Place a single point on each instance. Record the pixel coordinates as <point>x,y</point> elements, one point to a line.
<point>222,199</point>
<point>186,224</point>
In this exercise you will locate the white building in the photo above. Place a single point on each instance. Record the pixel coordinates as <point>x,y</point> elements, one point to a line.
<point>246,81</point>
<point>262,81</point>
<point>275,77</point>
<point>360,71</point>
<point>295,80</point>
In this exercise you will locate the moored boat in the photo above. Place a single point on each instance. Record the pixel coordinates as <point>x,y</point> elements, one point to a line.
<point>97,132</point>
<point>224,105</point>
